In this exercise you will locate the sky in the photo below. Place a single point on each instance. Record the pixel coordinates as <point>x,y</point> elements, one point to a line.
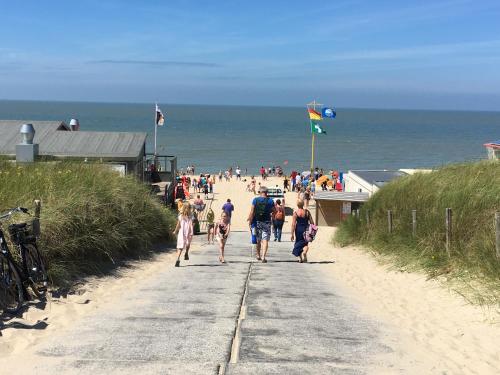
<point>439,54</point>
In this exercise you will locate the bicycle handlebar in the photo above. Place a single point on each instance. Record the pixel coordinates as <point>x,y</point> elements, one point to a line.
<point>13,211</point>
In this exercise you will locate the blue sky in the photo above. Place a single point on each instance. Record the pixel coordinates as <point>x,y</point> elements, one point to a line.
<point>385,54</point>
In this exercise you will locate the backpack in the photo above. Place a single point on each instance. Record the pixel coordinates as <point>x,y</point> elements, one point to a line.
<point>279,215</point>
<point>261,213</point>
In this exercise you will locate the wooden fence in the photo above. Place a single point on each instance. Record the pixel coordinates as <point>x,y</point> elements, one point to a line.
<point>448,226</point>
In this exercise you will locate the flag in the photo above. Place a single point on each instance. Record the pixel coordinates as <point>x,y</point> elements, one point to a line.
<point>328,112</point>
<point>160,119</point>
<point>313,115</point>
<point>316,128</point>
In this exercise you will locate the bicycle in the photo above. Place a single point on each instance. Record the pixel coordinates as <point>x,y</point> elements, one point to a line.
<point>15,277</point>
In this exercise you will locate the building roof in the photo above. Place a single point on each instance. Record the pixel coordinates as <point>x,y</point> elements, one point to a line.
<point>494,145</point>
<point>378,178</point>
<point>55,140</point>
<point>341,196</point>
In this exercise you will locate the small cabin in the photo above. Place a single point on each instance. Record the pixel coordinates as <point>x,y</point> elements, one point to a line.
<point>493,150</point>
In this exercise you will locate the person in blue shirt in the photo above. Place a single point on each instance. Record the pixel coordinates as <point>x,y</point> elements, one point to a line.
<point>228,208</point>
<point>261,211</point>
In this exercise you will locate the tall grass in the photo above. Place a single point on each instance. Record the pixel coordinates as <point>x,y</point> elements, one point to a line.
<point>472,190</point>
<point>91,216</point>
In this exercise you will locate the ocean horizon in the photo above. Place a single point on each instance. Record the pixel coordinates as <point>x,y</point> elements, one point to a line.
<point>214,137</point>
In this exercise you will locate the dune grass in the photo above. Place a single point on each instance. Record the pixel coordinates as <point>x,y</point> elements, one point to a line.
<point>472,190</point>
<point>91,217</point>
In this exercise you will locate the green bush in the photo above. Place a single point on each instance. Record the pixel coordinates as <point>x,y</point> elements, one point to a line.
<point>471,190</point>
<point>91,217</point>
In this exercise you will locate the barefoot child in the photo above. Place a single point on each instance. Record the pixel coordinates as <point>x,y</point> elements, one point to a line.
<point>184,232</point>
<point>222,230</point>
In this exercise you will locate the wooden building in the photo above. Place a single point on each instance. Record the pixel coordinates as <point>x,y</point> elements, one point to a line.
<point>332,207</point>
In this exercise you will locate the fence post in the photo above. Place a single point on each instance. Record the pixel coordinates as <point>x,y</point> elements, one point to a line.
<point>367,215</point>
<point>414,222</point>
<point>497,230</point>
<point>36,220</point>
<point>448,230</point>
<point>389,220</point>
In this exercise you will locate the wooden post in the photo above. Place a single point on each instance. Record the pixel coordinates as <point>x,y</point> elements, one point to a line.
<point>497,230</point>
<point>36,220</point>
<point>414,222</point>
<point>389,220</point>
<point>367,215</point>
<point>448,231</point>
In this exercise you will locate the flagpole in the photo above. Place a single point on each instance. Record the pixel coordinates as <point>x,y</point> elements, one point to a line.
<point>312,151</point>
<point>156,131</point>
<point>313,104</point>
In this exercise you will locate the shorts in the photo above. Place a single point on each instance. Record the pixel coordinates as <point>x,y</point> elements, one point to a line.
<point>263,232</point>
<point>211,226</point>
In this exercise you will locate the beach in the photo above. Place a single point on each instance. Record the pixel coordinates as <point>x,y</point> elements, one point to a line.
<point>428,328</point>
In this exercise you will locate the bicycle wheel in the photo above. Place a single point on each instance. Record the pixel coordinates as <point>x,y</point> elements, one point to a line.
<point>11,287</point>
<point>36,269</point>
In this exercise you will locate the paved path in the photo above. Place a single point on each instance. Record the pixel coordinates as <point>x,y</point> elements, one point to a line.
<point>243,317</point>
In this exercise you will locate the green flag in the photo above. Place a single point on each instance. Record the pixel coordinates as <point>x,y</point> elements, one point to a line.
<point>316,128</point>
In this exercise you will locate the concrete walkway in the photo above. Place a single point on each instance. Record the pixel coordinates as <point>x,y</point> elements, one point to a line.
<point>242,317</point>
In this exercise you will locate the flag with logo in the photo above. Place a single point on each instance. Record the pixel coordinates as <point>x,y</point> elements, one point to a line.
<point>328,112</point>
<point>160,119</point>
<point>316,128</point>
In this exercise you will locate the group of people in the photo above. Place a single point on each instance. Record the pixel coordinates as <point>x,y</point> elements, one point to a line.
<point>266,218</point>
<point>270,171</point>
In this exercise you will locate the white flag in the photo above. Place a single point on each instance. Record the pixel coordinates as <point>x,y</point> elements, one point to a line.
<point>160,119</point>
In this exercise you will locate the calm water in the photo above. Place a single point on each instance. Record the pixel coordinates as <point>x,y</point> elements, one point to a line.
<point>215,137</point>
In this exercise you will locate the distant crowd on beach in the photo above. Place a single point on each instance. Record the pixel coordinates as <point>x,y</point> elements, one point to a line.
<point>266,216</point>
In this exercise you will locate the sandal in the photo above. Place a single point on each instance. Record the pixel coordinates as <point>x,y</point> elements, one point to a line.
<point>264,260</point>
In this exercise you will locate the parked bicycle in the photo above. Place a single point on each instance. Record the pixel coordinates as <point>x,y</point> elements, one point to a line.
<point>17,276</point>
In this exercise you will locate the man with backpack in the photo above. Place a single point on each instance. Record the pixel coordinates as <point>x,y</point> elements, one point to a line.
<point>262,210</point>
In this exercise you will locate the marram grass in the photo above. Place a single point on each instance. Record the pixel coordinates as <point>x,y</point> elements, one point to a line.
<point>91,217</point>
<point>472,191</point>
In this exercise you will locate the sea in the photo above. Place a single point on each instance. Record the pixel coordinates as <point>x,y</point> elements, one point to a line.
<point>215,138</point>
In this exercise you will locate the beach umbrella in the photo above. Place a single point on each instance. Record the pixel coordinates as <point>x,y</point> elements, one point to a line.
<point>306,173</point>
<point>322,179</point>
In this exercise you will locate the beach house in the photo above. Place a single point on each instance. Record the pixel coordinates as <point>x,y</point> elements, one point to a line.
<point>369,181</point>
<point>493,149</point>
<point>124,151</point>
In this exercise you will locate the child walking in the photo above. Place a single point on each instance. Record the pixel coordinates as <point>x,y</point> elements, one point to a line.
<point>184,232</point>
<point>222,230</point>
<point>210,226</point>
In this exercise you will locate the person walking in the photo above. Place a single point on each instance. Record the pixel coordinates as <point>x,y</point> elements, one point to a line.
<point>184,232</point>
<point>210,226</point>
<point>262,210</point>
<point>222,231</point>
<point>278,220</point>
<point>238,173</point>
<point>300,222</point>
<point>228,208</point>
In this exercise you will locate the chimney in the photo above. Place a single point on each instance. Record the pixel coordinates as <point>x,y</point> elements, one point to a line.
<point>74,125</point>
<point>26,151</point>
